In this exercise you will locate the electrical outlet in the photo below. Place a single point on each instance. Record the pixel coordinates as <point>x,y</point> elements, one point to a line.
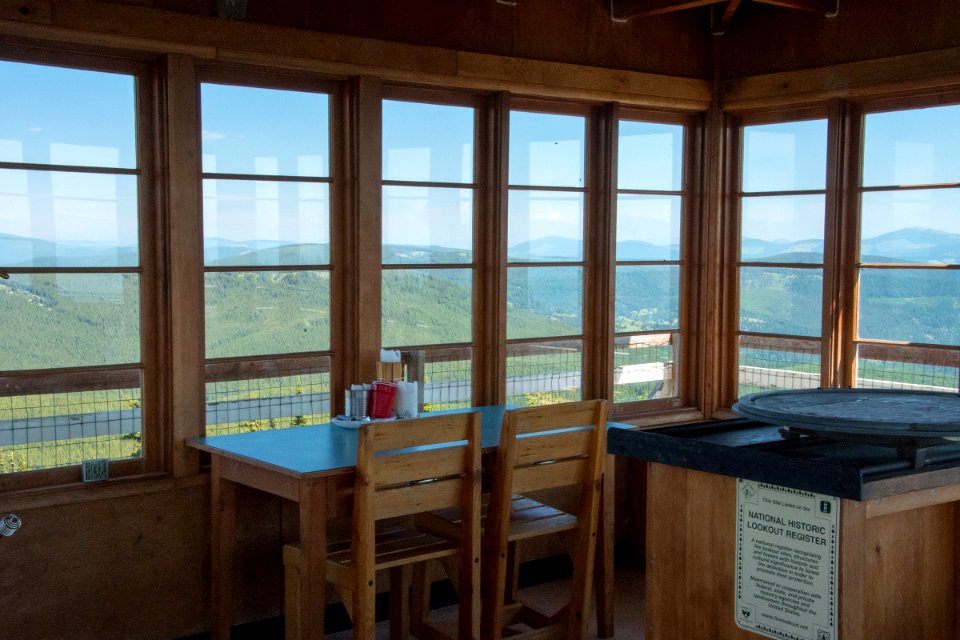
<point>95,470</point>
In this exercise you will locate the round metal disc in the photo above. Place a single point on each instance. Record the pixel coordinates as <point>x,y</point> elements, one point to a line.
<point>884,412</point>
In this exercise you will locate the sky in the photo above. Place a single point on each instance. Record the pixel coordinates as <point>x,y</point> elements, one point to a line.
<point>86,119</point>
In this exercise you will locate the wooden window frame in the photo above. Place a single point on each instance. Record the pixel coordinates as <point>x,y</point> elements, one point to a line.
<point>152,374</point>
<point>690,278</point>
<point>305,362</point>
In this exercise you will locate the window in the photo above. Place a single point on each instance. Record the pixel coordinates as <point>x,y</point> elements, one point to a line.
<point>266,243</point>
<point>650,202</point>
<point>428,245</point>
<point>545,257</point>
<point>908,333</point>
<point>782,200</point>
<point>77,370</point>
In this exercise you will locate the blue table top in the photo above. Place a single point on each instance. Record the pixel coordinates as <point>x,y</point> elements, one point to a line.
<point>324,449</point>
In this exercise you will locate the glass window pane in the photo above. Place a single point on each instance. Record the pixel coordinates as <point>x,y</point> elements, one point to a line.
<point>647,298</point>
<point>49,430</point>
<point>648,227</point>
<point>787,156</point>
<point>427,225</point>
<point>786,301</point>
<point>261,404</point>
<point>911,226</point>
<point>427,142</point>
<point>544,302</point>
<point>917,146</point>
<point>782,229</point>
<point>881,366</point>
<point>644,367</point>
<point>910,305</point>
<point>544,373</point>
<point>266,132</point>
<point>66,219</point>
<point>426,306</point>
<point>546,150</point>
<point>769,364</point>
<point>262,312</point>
<point>261,223</point>
<point>69,320</point>
<point>650,156</point>
<point>545,226</point>
<point>53,115</point>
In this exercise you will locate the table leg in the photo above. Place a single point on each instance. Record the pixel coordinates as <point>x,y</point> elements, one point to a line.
<point>223,514</point>
<point>604,560</point>
<point>313,537</point>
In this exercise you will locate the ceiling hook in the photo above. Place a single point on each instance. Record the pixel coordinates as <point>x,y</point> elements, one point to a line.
<point>835,12</point>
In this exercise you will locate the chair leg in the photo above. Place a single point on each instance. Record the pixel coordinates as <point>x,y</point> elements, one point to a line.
<point>292,574</point>
<point>399,602</point>
<point>419,600</point>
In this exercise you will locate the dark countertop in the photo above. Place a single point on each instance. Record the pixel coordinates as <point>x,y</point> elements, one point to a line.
<point>758,451</point>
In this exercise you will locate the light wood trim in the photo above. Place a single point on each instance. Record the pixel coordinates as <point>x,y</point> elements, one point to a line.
<point>490,249</point>
<point>913,500</point>
<point>599,275</point>
<point>832,311</point>
<point>360,275</point>
<point>185,245</point>
<point>924,71</point>
<point>75,493</point>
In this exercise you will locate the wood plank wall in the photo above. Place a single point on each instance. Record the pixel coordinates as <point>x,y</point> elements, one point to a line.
<point>129,559</point>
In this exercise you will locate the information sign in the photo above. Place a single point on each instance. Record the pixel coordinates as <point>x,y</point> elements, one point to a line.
<point>786,565</point>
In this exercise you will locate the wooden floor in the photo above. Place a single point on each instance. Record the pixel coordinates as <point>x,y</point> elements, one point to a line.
<point>628,605</point>
<point>628,608</point>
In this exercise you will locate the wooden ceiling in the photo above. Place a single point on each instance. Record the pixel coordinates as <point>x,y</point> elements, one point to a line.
<point>722,11</point>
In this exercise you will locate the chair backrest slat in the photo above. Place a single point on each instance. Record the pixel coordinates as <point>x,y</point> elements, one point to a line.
<point>556,416</point>
<point>422,431</point>
<point>553,446</point>
<point>547,476</point>
<point>405,500</point>
<point>419,465</point>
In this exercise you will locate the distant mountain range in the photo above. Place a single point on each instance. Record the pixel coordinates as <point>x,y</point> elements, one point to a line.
<point>913,245</point>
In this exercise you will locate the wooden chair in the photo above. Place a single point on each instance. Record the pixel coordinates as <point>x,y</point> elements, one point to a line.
<point>540,448</point>
<point>403,468</point>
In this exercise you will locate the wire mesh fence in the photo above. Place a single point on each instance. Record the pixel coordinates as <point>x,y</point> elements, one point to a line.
<point>544,372</point>
<point>49,430</point>
<point>260,404</point>
<point>645,367</point>
<point>768,363</point>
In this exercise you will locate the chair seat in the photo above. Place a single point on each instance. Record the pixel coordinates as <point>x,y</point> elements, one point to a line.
<point>528,518</point>
<point>395,546</point>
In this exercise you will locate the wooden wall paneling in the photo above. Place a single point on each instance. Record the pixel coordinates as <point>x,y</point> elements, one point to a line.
<point>690,555</point>
<point>185,260</point>
<point>853,573</point>
<point>138,28</point>
<point>766,39</point>
<point>909,563</point>
<point>582,32</point>
<point>111,566</point>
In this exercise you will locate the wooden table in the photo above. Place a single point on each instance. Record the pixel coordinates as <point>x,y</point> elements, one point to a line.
<point>314,467</point>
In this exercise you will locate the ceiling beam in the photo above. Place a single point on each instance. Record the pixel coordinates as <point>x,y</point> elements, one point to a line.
<point>728,12</point>
<point>623,9</point>
<point>819,6</point>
